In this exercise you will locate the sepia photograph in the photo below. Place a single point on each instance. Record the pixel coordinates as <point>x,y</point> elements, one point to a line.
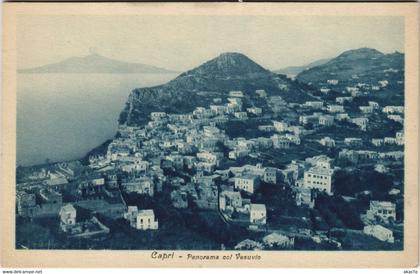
<point>254,132</point>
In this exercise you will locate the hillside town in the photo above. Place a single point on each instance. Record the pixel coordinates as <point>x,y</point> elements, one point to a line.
<point>249,171</point>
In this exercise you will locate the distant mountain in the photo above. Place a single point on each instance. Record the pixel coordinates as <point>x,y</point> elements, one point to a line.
<point>94,63</point>
<point>365,64</point>
<point>199,86</point>
<point>295,70</point>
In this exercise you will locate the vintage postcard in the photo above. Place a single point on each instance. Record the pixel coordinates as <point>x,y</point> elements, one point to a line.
<point>210,135</point>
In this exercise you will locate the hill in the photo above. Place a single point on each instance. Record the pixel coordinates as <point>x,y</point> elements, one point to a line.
<point>292,71</point>
<point>94,63</point>
<point>213,79</point>
<point>365,63</point>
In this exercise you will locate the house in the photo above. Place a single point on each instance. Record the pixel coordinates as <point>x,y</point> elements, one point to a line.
<point>254,110</point>
<point>261,93</point>
<point>393,109</point>
<point>314,104</point>
<point>278,240</point>
<point>280,126</point>
<point>382,211</point>
<point>238,153</point>
<point>210,157</point>
<point>139,166</point>
<point>390,140</point>
<point>342,100</point>
<point>50,196</point>
<point>399,138</point>
<point>373,104</point>
<point>230,200</point>
<point>321,161</point>
<point>247,182</point>
<point>361,122</point>
<point>26,203</point>
<point>332,81</point>
<point>335,108</point>
<point>293,138</point>
<point>318,178</point>
<point>324,90</point>
<point>241,115</point>
<point>353,89</point>
<point>381,168</point>
<point>155,116</point>
<point>258,214</point>
<point>270,175</point>
<point>236,93</point>
<point>377,142</point>
<point>396,118</point>
<point>140,185</point>
<point>142,219</point>
<point>266,128</point>
<point>280,141</point>
<point>366,109</point>
<point>326,120</point>
<point>67,217</point>
<point>305,197</point>
<point>379,232</point>
<point>342,117</point>
<point>383,83</point>
<point>357,156</point>
<point>207,196</point>
<point>206,167</point>
<point>57,182</point>
<point>308,119</point>
<point>219,109</point>
<point>353,141</point>
<point>248,244</point>
<point>327,142</point>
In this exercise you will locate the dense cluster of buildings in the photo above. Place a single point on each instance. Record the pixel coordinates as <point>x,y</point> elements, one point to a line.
<point>193,156</point>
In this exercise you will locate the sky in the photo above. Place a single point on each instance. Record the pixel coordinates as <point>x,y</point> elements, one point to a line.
<point>184,42</point>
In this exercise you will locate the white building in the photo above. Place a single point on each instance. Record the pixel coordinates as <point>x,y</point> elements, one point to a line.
<point>383,83</point>
<point>318,178</point>
<point>379,232</point>
<point>335,108</point>
<point>327,142</point>
<point>380,210</point>
<point>325,90</point>
<point>280,126</point>
<point>361,122</point>
<point>326,120</point>
<point>399,136</point>
<point>254,110</point>
<point>332,81</point>
<point>261,93</point>
<point>67,216</point>
<point>241,115</point>
<point>377,142</point>
<point>258,214</point>
<point>157,115</point>
<point>314,104</point>
<point>393,109</point>
<point>247,182</point>
<point>366,109</point>
<point>342,100</point>
<point>141,219</point>
<point>236,93</point>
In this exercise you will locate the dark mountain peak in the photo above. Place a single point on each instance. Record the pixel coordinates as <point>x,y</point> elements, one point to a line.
<point>228,64</point>
<point>361,53</point>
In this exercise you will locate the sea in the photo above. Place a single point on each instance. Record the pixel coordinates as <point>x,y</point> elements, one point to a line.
<point>61,117</point>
